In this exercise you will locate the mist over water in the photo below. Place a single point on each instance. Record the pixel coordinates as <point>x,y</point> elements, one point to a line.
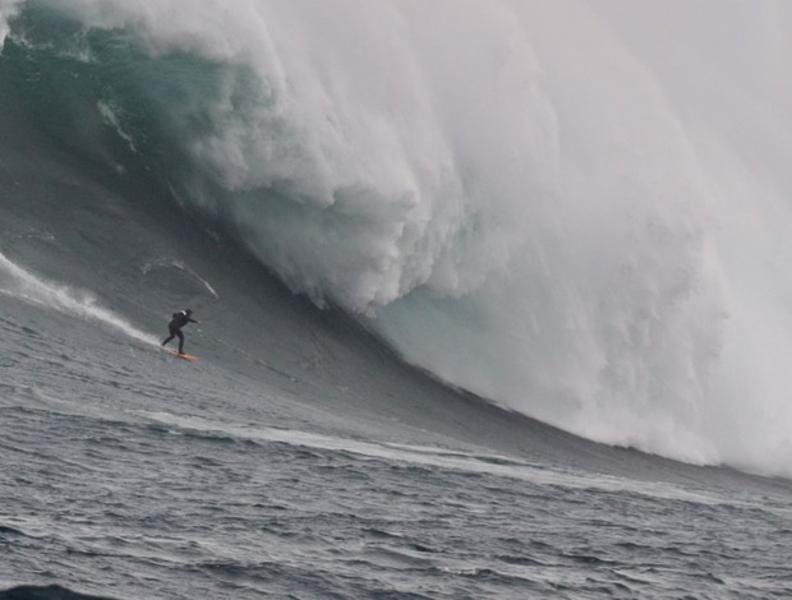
<point>578,211</point>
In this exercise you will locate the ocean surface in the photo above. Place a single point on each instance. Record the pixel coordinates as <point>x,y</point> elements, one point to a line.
<point>429,365</point>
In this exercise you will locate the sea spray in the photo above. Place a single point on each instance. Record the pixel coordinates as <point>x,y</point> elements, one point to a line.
<point>8,9</point>
<point>20,283</point>
<point>547,204</point>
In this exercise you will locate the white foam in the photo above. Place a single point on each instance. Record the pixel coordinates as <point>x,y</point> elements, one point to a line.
<point>24,285</point>
<point>456,460</point>
<point>547,203</point>
<point>110,117</point>
<point>8,8</point>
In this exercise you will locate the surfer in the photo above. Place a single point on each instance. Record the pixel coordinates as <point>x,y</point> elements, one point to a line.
<point>179,320</point>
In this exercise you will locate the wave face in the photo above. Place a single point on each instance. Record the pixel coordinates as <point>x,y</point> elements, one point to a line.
<point>552,206</point>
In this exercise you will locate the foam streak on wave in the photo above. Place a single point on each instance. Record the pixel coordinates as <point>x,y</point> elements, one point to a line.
<point>436,457</point>
<point>541,202</point>
<point>22,284</point>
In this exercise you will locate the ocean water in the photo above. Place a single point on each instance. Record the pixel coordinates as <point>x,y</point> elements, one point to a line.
<point>492,300</point>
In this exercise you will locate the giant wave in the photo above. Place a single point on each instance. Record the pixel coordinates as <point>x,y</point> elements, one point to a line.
<point>576,211</point>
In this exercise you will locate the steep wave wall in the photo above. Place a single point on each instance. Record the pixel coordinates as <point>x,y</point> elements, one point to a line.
<point>577,211</point>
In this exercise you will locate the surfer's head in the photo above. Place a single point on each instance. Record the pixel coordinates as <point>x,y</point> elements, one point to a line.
<point>187,312</point>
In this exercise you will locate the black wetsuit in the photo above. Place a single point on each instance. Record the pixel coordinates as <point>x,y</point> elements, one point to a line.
<point>180,319</point>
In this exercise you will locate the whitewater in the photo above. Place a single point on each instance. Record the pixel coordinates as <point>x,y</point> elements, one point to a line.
<point>493,298</point>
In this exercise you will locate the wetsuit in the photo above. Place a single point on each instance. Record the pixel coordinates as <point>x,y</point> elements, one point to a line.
<point>180,319</point>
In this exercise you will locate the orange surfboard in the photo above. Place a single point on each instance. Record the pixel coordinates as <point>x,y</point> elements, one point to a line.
<point>184,356</point>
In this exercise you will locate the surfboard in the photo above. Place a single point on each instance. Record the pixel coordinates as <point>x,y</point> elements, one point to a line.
<point>184,356</point>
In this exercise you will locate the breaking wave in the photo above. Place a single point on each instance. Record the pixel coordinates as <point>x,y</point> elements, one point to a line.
<point>545,204</point>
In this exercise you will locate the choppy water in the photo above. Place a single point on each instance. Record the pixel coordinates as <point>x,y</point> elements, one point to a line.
<point>141,484</point>
<point>300,457</point>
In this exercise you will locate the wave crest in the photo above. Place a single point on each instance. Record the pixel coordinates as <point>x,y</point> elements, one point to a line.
<point>537,203</point>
